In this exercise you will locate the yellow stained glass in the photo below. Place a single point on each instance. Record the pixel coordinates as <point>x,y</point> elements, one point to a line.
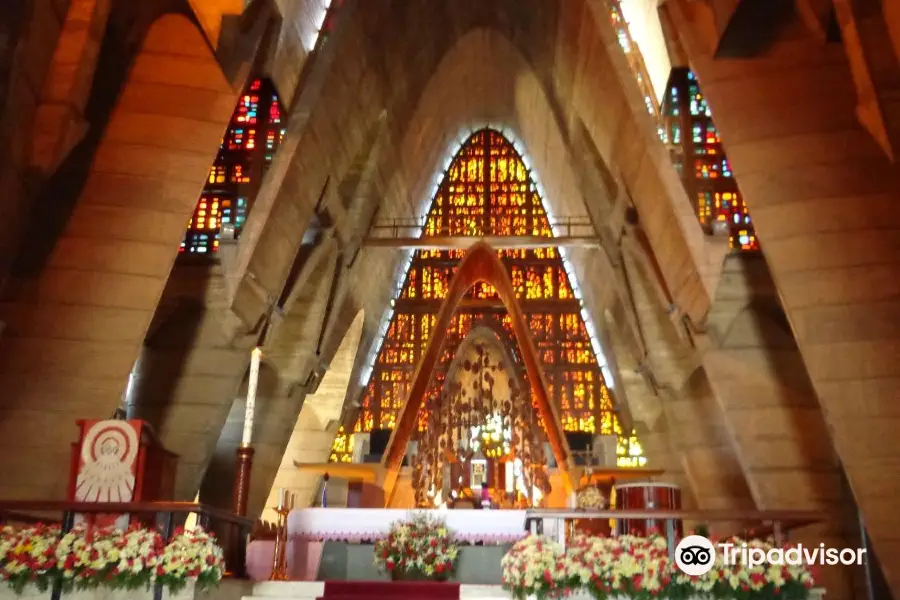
<point>487,190</point>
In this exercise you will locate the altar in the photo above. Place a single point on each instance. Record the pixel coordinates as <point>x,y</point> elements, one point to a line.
<point>336,543</point>
<point>357,525</point>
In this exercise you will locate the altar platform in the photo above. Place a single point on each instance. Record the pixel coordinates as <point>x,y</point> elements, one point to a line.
<point>321,590</point>
<point>371,590</point>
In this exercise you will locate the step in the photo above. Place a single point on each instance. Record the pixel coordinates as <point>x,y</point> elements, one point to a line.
<point>287,590</point>
<point>314,590</point>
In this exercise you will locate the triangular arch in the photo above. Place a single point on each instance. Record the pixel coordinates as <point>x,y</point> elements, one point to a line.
<point>488,192</point>
<point>479,265</point>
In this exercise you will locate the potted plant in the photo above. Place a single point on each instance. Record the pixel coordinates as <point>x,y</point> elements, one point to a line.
<point>418,548</point>
<point>636,568</point>
<point>535,567</point>
<point>590,498</point>
<point>620,567</point>
<point>760,582</point>
<point>82,559</point>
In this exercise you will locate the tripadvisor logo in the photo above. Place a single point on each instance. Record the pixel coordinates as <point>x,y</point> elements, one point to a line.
<point>695,555</point>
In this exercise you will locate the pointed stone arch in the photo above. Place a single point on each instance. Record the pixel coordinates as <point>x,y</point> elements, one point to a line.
<point>481,264</point>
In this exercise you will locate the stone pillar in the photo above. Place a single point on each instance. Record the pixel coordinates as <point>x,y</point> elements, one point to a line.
<point>771,411</point>
<point>707,452</point>
<point>75,331</point>
<point>823,196</point>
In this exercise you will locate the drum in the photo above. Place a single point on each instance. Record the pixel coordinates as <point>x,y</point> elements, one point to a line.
<point>646,496</point>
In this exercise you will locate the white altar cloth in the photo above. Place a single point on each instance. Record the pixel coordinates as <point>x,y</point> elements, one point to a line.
<point>357,524</point>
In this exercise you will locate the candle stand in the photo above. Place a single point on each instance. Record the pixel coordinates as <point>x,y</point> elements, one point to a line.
<point>242,479</point>
<point>279,561</point>
<point>244,465</point>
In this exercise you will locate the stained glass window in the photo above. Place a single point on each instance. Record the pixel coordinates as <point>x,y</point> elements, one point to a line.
<point>488,191</point>
<point>248,147</point>
<point>719,205</point>
<point>686,127</point>
<point>342,448</point>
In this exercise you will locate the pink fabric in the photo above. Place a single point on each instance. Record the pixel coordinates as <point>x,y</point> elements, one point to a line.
<point>259,560</point>
<point>355,524</point>
<point>303,559</point>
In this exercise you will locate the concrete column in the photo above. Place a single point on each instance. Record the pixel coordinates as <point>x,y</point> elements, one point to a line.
<point>771,410</point>
<point>707,452</point>
<point>822,195</point>
<point>75,331</point>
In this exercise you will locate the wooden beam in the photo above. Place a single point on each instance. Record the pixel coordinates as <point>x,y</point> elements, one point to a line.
<point>464,242</point>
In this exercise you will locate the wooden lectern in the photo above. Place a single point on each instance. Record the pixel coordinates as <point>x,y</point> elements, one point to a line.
<point>120,461</point>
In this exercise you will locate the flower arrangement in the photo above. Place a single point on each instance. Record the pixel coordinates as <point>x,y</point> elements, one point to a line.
<point>590,498</point>
<point>765,582</point>
<point>107,557</point>
<point>535,566</point>
<point>418,548</point>
<point>628,567</point>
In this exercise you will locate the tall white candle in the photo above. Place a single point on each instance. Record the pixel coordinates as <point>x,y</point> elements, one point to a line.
<point>251,396</point>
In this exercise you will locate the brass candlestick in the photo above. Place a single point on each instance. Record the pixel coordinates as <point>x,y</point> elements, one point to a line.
<point>279,562</point>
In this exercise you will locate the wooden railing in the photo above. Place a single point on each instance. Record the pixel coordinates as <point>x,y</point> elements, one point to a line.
<point>775,524</point>
<point>231,530</point>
